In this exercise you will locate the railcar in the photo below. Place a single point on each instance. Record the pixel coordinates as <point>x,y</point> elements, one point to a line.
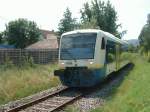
<point>88,56</point>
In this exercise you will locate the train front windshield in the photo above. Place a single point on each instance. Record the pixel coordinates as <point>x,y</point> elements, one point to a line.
<point>78,46</point>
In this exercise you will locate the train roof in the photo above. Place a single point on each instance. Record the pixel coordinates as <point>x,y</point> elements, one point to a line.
<point>108,35</point>
<point>115,39</point>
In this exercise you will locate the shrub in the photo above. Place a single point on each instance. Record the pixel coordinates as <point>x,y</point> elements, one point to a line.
<point>7,63</point>
<point>27,61</point>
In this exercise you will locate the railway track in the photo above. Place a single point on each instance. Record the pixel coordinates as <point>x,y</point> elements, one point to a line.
<point>58,99</point>
<point>51,102</point>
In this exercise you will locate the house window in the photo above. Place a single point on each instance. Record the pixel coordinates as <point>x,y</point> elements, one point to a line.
<point>103,43</point>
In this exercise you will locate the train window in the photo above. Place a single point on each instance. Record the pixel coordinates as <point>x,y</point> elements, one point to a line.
<point>103,43</point>
<point>110,52</point>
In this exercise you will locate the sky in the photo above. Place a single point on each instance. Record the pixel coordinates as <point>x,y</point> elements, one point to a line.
<point>132,14</point>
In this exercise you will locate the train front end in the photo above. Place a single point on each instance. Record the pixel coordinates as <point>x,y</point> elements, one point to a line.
<point>78,66</point>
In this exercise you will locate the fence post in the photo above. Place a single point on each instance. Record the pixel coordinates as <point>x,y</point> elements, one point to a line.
<point>38,57</point>
<point>19,56</point>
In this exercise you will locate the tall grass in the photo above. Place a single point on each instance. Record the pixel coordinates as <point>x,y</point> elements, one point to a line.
<point>133,95</point>
<point>18,82</point>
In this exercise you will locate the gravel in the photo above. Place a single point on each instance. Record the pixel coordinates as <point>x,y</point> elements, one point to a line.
<point>99,97</point>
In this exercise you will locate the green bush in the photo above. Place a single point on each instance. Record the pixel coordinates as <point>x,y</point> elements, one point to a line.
<point>27,61</point>
<point>7,64</point>
<point>128,56</point>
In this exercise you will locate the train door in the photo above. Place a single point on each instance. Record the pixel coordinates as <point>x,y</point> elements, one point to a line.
<point>111,57</point>
<point>103,51</point>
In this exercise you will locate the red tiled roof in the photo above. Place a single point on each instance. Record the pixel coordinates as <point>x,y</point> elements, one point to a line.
<point>44,44</point>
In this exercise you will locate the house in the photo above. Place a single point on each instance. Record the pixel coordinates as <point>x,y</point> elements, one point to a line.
<point>49,41</point>
<point>48,34</point>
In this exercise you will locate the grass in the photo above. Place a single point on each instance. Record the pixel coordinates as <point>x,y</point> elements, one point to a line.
<point>133,95</point>
<point>17,82</point>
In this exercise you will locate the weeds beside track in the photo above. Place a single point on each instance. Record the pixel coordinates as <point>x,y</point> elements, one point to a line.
<point>58,99</point>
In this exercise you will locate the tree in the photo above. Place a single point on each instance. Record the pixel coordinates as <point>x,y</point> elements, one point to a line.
<point>144,37</point>
<point>89,24</point>
<point>103,14</point>
<point>87,19</point>
<point>67,23</point>
<point>22,33</point>
<point>132,48</point>
<point>86,13</point>
<point>148,19</point>
<point>1,37</point>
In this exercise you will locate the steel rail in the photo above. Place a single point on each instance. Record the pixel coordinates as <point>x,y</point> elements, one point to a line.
<point>31,103</point>
<point>64,103</point>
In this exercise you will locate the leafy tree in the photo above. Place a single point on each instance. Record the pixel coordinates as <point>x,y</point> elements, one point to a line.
<point>87,19</point>
<point>132,48</point>
<point>103,15</point>
<point>148,19</point>
<point>67,23</point>
<point>89,24</point>
<point>1,36</point>
<point>86,13</point>
<point>22,33</point>
<point>144,37</point>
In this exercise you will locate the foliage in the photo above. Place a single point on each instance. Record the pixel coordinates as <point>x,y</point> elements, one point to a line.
<point>7,64</point>
<point>144,38</point>
<point>132,48</point>
<point>67,23</point>
<point>27,61</point>
<point>1,37</point>
<point>89,25</point>
<point>87,19</point>
<point>128,56</point>
<point>22,33</point>
<point>133,94</point>
<point>95,15</point>
<point>16,83</point>
<point>102,14</point>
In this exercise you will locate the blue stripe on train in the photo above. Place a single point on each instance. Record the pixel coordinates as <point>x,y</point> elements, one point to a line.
<point>84,80</point>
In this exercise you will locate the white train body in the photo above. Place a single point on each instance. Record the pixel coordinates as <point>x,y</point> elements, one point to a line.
<point>99,55</point>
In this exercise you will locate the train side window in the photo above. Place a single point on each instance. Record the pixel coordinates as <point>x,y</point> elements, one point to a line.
<point>103,43</point>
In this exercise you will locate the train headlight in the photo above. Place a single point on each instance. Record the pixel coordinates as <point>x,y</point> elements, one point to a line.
<point>91,62</point>
<point>62,63</point>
